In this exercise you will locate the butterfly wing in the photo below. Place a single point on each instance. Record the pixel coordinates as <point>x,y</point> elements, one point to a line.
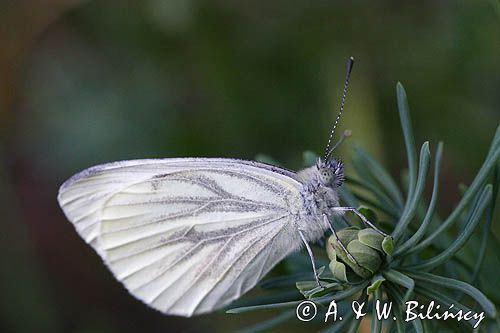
<point>186,236</point>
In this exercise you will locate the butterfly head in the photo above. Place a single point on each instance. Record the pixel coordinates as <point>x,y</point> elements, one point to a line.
<point>330,172</point>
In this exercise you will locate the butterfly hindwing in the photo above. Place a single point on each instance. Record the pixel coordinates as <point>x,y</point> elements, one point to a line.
<point>186,236</point>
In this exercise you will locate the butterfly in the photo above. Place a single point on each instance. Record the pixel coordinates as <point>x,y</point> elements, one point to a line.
<point>189,235</point>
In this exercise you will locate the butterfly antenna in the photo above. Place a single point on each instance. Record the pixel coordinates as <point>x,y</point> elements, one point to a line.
<point>350,64</point>
<point>347,133</point>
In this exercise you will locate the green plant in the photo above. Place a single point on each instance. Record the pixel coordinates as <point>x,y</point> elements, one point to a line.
<point>422,262</point>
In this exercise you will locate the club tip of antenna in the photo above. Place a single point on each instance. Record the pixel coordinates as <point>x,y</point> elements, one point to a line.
<point>350,64</point>
<point>347,133</point>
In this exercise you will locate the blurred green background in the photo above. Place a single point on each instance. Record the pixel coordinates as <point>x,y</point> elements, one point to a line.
<point>87,82</point>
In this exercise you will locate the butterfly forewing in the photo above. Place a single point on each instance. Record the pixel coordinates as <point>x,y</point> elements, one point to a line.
<point>186,236</point>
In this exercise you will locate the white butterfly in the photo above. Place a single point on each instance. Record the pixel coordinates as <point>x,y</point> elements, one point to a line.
<point>189,235</point>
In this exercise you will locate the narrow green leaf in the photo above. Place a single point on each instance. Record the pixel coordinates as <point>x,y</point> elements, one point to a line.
<point>347,197</point>
<point>408,246</point>
<point>303,286</point>
<point>284,281</point>
<point>269,324</point>
<point>250,308</point>
<point>367,181</point>
<point>341,295</point>
<point>397,301</point>
<point>428,328</point>
<point>488,165</point>
<point>310,289</point>
<point>417,325</point>
<point>376,282</point>
<point>340,325</point>
<point>338,296</point>
<point>477,210</point>
<point>392,212</point>
<point>376,325</point>
<point>354,325</point>
<point>404,115</point>
<point>382,177</point>
<point>411,208</point>
<point>487,225</point>
<point>466,288</point>
<point>444,300</point>
<point>363,298</point>
<point>368,213</point>
<point>275,298</point>
<point>402,280</point>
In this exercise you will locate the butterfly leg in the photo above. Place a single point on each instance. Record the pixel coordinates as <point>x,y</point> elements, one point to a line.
<point>349,255</point>
<point>361,216</point>
<point>311,256</point>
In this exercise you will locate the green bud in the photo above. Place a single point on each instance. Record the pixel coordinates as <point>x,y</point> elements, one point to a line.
<point>366,257</point>
<point>368,247</point>
<point>330,250</point>
<point>388,245</point>
<point>371,238</point>
<point>376,282</point>
<point>338,270</point>
<point>348,234</point>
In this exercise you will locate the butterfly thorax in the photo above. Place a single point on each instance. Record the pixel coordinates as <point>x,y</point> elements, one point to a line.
<point>320,194</point>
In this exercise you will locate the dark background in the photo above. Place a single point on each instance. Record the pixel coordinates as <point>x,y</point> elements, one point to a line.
<point>87,82</point>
